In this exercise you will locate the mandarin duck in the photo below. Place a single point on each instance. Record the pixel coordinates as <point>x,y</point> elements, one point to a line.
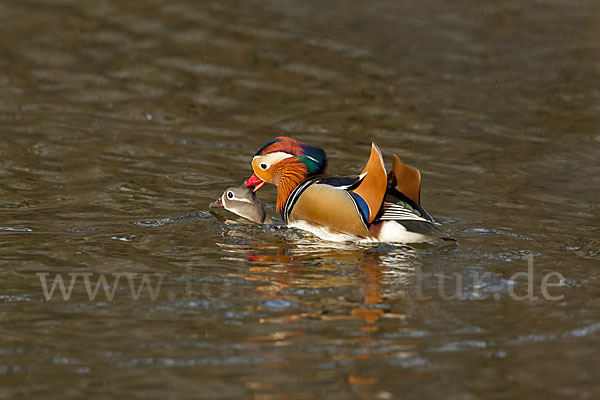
<point>243,202</point>
<point>371,206</point>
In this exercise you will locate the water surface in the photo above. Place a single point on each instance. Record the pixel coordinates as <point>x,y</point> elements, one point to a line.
<point>120,123</point>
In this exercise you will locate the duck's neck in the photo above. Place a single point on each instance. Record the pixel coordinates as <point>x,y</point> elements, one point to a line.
<point>291,174</point>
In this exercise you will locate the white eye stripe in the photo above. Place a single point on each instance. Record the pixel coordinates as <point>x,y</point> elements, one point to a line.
<point>242,200</point>
<point>224,198</point>
<point>273,158</point>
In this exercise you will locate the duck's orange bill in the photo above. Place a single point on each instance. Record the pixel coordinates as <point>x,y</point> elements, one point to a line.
<point>255,180</point>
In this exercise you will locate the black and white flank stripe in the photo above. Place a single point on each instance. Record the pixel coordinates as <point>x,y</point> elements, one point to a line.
<point>396,212</point>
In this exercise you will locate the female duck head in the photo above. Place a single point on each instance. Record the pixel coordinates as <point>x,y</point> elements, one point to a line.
<point>243,202</point>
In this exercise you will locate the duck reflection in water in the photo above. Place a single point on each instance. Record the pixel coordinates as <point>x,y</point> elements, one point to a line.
<point>288,269</point>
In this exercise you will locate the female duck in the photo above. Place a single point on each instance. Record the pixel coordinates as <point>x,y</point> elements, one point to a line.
<point>243,202</point>
<point>370,206</point>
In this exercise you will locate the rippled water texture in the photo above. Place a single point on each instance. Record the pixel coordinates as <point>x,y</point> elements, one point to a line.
<point>121,121</point>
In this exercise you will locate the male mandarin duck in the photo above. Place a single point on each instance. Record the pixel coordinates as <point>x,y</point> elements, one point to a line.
<point>372,206</point>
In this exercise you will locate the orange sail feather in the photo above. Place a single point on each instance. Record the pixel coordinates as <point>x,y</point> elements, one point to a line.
<point>372,188</point>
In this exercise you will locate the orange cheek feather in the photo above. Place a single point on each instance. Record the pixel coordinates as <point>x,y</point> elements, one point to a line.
<point>265,176</point>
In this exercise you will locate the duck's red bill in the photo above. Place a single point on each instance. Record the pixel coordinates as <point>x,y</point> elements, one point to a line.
<point>216,204</point>
<point>255,180</point>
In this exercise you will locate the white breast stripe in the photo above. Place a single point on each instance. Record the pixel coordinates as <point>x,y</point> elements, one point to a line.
<point>292,199</point>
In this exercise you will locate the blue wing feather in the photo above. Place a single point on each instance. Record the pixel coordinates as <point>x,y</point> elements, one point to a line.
<point>362,205</point>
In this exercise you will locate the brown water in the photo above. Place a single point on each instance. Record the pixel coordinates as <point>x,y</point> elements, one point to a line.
<point>120,122</point>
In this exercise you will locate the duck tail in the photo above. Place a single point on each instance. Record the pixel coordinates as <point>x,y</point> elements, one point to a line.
<point>405,179</point>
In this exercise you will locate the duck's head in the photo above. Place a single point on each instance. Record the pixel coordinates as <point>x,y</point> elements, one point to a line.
<point>242,201</point>
<point>286,163</point>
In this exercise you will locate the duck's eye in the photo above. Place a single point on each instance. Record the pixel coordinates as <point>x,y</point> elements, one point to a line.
<point>230,195</point>
<point>263,166</point>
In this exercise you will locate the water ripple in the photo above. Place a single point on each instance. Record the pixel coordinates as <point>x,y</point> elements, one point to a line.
<point>15,229</point>
<point>164,221</point>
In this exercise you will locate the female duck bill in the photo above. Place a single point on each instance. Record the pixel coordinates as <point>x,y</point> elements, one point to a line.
<point>217,204</point>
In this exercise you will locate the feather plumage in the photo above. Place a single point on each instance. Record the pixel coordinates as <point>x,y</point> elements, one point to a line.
<point>372,205</point>
<point>288,173</point>
<point>312,157</point>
